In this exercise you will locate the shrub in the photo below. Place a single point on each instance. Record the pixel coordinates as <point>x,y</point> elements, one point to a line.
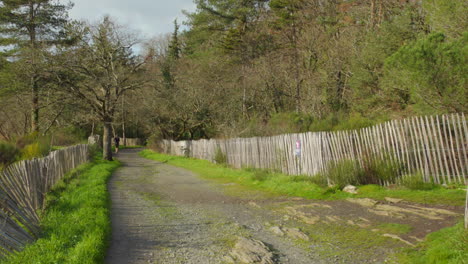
<point>25,140</point>
<point>9,153</point>
<point>220,157</point>
<point>40,148</point>
<point>153,143</point>
<point>320,179</point>
<point>260,175</point>
<point>68,136</point>
<point>381,169</point>
<point>344,172</point>
<point>416,182</point>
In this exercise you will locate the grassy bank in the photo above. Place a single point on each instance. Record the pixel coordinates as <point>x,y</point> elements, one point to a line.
<point>303,186</point>
<point>76,223</point>
<point>448,245</point>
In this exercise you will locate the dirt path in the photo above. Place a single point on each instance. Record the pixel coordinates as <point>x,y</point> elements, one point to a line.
<point>164,214</point>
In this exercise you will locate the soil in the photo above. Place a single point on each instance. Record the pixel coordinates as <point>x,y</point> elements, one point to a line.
<point>164,214</point>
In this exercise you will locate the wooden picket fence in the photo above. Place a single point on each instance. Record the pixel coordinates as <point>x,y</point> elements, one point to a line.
<point>435,146</point>
<point>23,187</point>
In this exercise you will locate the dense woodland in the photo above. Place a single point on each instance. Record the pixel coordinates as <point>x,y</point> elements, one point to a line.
<point>235,68</point>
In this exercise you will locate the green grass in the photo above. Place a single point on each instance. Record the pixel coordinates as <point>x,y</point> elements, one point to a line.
<point>76,222</point>
<point>394,228</point>
<point>448,245</point>
<point>301,186</point>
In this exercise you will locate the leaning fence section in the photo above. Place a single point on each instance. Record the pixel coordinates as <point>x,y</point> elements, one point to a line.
<point>434,146</point>
<point>23,187</point>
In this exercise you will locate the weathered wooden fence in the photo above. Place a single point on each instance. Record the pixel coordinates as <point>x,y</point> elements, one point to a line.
<point>435,146</point>
<point>23,187</point>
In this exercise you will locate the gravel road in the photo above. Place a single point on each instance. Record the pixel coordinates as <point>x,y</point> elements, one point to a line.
<point>164,214</point>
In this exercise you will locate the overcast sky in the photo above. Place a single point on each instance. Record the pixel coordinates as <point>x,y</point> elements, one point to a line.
<point>149,17</point>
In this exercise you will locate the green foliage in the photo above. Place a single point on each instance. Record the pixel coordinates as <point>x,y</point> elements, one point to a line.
<point>416,182</point>
<point>76,223</point>
<point>344,172</point>
<point>152,142</point>
<point>446,246</point>
<point>286,11</point>
<point>174,46</point>
<point>220,157</point>
<point>260,175</point>
<point>34,146</point>
<point>68,136</point>
<point>386,169</point>
<point>432,70</point>
<point>367,93</point>
<point>377,170</point>
<point>280,123</point>
<point>9,153</point>
<point>394,228</point>
<point>341,121</point>
<point>447,16</point>
<point>220,23</point>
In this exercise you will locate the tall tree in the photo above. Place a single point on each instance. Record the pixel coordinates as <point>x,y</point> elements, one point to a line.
<point>32,26</point>
<point>175,45</point>
<point>99,70</point>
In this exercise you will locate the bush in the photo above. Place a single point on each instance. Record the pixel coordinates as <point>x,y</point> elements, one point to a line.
<point>260,175</point>
<point>416,182</point>
<point>320,179</point>
<point>25,140</point>
<point>220,157</point>
<point>344,172</point>
<point>343,121</point>
<point>68,136</point>
<point>379,170</point>
<point>9,153</point>
<point>153,143</point>
<point>38,148</point>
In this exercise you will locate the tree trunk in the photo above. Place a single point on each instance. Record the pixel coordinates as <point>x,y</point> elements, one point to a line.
<point>107,141</point>
<point>124,138</point>
<point>35,106</point>
<point>34,84</point>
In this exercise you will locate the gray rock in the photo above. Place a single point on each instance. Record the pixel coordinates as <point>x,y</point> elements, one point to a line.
<point>350,189</point>
<point>251,251</point>
<point>94,140</point>
<point>277,230</point>
<point>295,233</point>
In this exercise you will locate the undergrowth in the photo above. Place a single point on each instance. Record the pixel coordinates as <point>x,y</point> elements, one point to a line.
<point>76,222</point>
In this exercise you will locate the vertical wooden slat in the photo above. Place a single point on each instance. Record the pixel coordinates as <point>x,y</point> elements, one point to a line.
<point>458,150</point>
<point>463,133</point>
<point>433,150</point>
<point>443,150</point>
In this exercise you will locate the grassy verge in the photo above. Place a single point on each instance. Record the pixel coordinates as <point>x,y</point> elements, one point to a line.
<point>76,224</point>
<point>448,245</point>
<point>303,186</point>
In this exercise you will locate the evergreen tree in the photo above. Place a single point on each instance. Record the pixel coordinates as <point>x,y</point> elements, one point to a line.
<point>174,46</point>
<point>28,28</point>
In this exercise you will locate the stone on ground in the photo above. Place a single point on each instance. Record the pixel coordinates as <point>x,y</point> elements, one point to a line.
<point>350,189</point>
<point>251,251</point>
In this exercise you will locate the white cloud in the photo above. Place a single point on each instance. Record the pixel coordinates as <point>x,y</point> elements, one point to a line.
<point>149,17</point>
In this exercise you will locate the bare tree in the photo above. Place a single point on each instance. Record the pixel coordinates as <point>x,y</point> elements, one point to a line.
<point>100,69</point>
